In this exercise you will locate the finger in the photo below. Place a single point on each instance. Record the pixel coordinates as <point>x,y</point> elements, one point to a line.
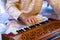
<point>32,20</point>
<point>35,20</point>
<point>26,22</point>
<point>29,21</point>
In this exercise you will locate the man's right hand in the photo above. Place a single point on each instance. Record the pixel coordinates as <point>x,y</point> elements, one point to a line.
<point>28,20</point>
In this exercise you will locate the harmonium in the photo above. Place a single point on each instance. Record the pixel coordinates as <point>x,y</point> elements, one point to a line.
<point>46,30</point>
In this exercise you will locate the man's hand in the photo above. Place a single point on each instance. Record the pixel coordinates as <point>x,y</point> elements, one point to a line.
<point>32,20</point>
<point>28,20</point>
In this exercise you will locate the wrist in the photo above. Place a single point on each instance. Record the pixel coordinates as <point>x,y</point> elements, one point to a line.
<point>22,16</point>
<point>19,18</point>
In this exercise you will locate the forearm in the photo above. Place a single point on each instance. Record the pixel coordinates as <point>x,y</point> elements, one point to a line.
<point>13,10</point>
<point>55,5</point>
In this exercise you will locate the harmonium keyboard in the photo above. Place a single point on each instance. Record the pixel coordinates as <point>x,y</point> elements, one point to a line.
<point>47,30</point>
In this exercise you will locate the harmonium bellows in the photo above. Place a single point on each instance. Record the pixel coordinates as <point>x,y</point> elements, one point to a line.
<point>43,31</point>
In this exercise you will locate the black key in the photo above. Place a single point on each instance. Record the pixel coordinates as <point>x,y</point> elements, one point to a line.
<point>47,21</point>
<point>37,24</point>
<point>19,31</point>
<point>26,28</point>
<point>44,22</point>
<point>33,26</point>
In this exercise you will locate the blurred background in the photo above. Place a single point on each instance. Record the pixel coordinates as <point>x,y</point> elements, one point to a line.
<point>46,10</point>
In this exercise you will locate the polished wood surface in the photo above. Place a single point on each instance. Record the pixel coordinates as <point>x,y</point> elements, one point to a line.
<point>57,38</point>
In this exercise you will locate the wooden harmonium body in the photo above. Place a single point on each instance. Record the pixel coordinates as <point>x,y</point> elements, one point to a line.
<point>48,30</point>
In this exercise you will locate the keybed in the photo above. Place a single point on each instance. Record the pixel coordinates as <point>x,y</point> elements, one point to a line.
<point>32,26</point>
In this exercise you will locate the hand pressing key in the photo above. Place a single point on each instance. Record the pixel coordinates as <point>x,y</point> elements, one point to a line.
<point>29,20</point>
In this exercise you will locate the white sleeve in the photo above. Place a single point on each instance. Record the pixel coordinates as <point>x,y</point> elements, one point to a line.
<point>13,10</point>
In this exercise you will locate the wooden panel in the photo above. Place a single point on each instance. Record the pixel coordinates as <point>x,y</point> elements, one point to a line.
<point>6,37</point>
<point>42,31</point>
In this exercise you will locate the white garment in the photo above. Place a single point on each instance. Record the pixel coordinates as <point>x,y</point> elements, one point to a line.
<point>0,37</point>
<point>3,14</point>
<point>1,7</point>
<point>3,28</point>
